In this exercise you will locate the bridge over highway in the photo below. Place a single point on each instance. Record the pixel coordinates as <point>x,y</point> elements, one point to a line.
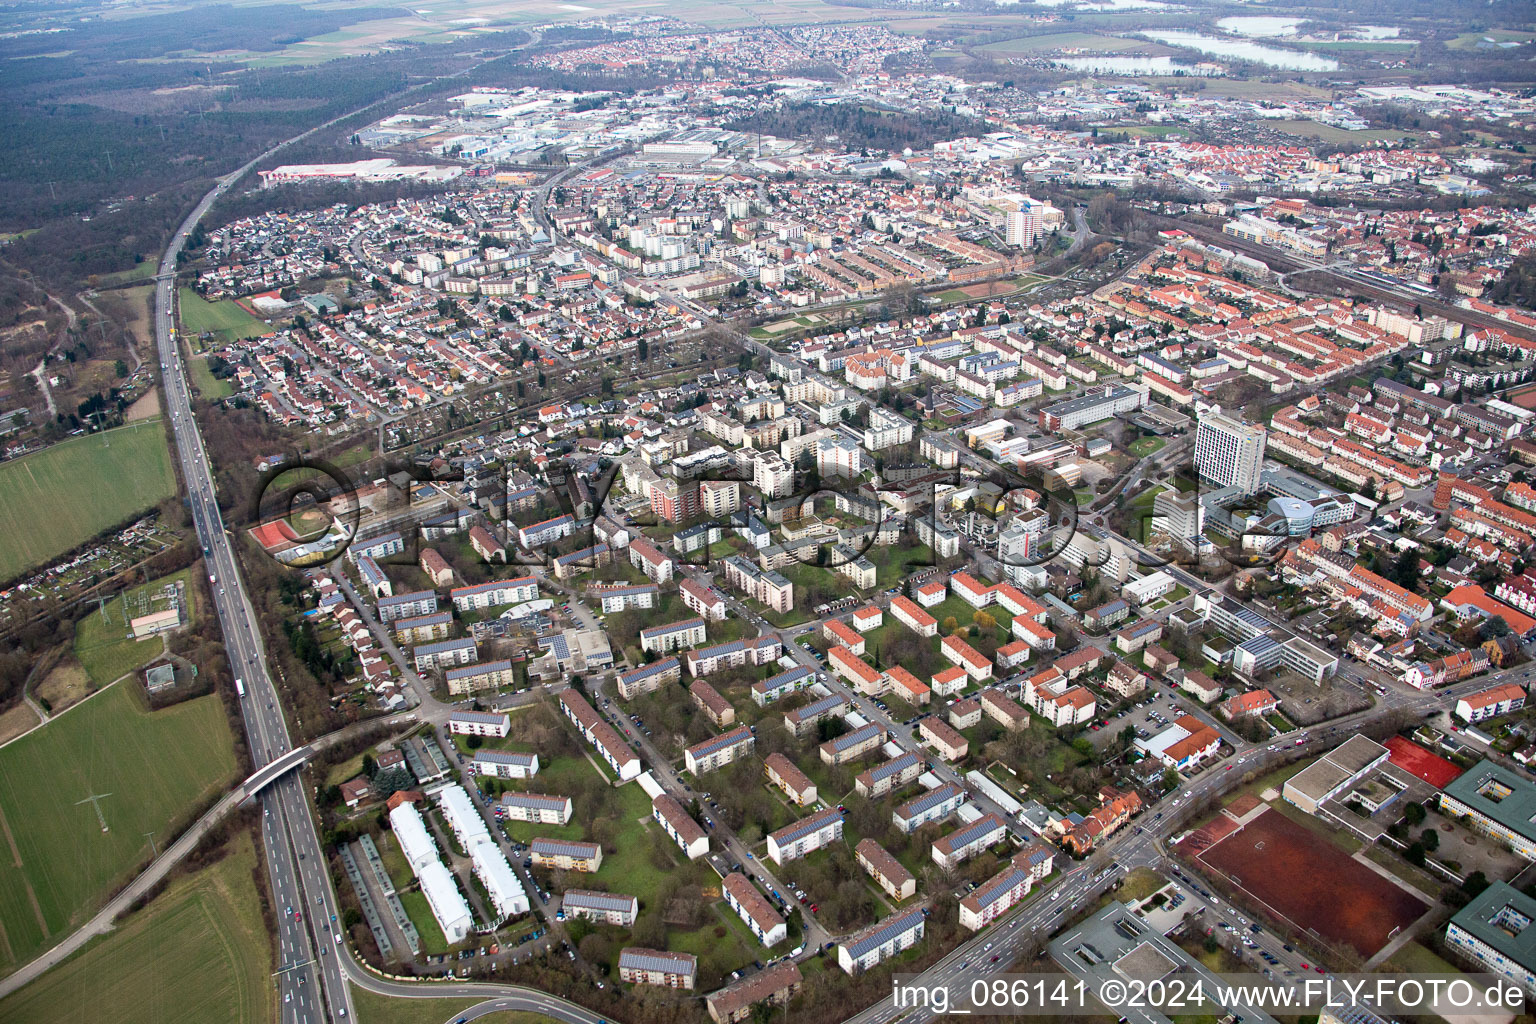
<point>272,770</point>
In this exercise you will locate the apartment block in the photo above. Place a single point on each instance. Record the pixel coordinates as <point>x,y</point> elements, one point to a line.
<point>968,840</point>
<point>404,606</point>
<point>766,691</point>
<point>675,822</point>
<point>935,805</point>
<point>881,941</point>
<point>806,835</point>
<point>886,870</point>
<point>673,636</point>
<point>715,706</point>
<point>601,907</point>
<point>615,599</point>
<point>505,764</point>
<point>762,585</point>
<point>494,593</point>
<point>852,745</point>
<point>609,745</point>
<point>566,855</point>
<point>761,650</point>
<point>994,897</point>
<point>892,775</point>
<point>782,772</point>
<point>538,808</point>
<point>480,723</point>
<point>753,908</point>
<point>719,751</point>
<point>444,653</point>
<point>706,602</point>
<point>640,966</point>
<point>949,744</point>
<point>648,678</point>
<point>482,675</point>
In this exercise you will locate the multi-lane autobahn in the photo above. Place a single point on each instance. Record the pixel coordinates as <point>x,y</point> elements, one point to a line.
<point>315,964</point>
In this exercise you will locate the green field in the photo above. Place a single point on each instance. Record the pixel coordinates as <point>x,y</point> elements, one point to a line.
<point>1329,133</point>
<point>150,771</point>
<point>420,913</point>
<point>203,379</point>
<point>139,272</point>
<point>198,952</point>
<point>1365,45</point>
<point>1154,131</point>
<point>376,1009</point>
<point>1068,41</point>
<point>1472,40</point>
<point>102,643</point>
<point>84,485</point>
<point>224,318</point>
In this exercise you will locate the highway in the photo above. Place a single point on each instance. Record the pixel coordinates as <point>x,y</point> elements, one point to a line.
<point>314,964</point>
<point>309,979</point>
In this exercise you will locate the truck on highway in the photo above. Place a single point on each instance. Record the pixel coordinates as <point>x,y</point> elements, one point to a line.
<point>240,688</point>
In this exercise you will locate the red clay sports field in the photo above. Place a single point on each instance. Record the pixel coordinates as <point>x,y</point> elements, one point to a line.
<point>1312,884</point>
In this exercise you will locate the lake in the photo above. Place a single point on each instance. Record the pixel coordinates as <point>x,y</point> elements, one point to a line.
<point>1286,60</point>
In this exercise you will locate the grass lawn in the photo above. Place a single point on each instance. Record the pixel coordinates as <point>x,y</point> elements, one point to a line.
<point>1141,883</point>
<point>627,870</point>
<point>103,645</point>
<point>224,318</point>
<point>719,956</point>
<point>965,615</point>
<point>377,1009</point>
<point>104,648</point>
<point>1472,40</point>
<point>1330,133</point>
<point>420,913</point>
<point>138,273</point>
<point>198,952</point>
<point>1365,45</point>
<point>1393,862</point>
<point>150,769</point>
<point>1413,958</point>
<point>1154,131</point>
<point>86,484</point>
<point>1147,446</point>
<point>1063,41</point>
<point>894,562</point>
<point>203,379</point>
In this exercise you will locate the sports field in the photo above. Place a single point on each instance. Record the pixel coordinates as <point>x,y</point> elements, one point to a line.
<point>148,771</point>
<point>198,952</point>
<point>1415,760</point>
<point>1313,885</point>
<point>224,318</point>
<point>65,495</point>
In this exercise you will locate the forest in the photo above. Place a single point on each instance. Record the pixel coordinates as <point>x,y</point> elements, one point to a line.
<point>860,127</point>
<point>106,152</point>
<point>1517,287</point>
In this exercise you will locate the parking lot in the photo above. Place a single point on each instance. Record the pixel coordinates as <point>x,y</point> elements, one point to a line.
<point>1143,717</point>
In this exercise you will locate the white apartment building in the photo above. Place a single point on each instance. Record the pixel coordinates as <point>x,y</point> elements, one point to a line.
<point>806,835</point>
<point>881,941</point>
